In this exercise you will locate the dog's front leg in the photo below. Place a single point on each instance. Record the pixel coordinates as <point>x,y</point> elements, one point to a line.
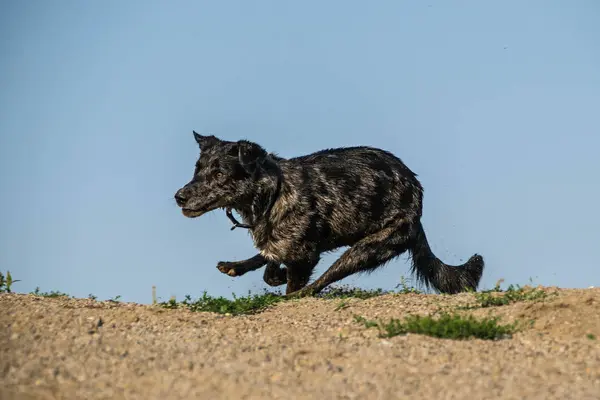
<point>274,274</point>
<point>239,268</point>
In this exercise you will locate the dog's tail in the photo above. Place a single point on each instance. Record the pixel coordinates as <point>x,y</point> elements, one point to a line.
<point>432,272</point>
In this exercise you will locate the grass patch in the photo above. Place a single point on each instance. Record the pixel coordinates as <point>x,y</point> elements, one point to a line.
<point>447,326</point>
<point>496,297</point>
<point>346,292</point>
<point>250,304</point>
<point>591,336</point>
<point>254,303</point>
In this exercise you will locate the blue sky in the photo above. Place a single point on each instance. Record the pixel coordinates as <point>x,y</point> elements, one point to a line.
<point>494,106</point>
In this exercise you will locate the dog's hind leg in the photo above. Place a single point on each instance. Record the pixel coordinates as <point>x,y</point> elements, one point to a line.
<point>365,255</point>
<point>298,274</point>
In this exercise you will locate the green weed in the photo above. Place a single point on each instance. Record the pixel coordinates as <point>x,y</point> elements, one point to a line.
<point>405,288</point>
<point>6,282</point>
<point>115,299</point>
<point>446,326</point>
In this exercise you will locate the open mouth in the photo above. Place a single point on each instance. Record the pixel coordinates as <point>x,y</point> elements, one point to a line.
<point>192,213</point>
<point>196,212</point>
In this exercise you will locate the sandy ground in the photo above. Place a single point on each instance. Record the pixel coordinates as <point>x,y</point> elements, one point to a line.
<point>55,349</point>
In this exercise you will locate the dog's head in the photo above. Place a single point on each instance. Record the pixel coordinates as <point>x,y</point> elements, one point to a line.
<point>225,175</point>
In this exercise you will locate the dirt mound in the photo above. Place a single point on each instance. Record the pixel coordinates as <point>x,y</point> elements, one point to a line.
<point>60,348</point>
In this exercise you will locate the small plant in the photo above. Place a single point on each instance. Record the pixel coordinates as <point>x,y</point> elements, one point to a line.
<point>6,282</point>
<point>250,304</point>
<point>365,322</point>
<point>92,297</point>
<point>446,326</point>
<point>405,288</point>
<point>51,294</point>
<point>341,305</point>
<point>115,299</point>
<point>591,336</point>
<point>497,297</point>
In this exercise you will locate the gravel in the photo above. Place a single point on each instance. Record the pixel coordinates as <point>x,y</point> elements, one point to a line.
<point>61,348</point>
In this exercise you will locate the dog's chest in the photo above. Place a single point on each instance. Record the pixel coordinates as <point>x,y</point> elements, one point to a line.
<point>272,247</point>
<point>275,250</point>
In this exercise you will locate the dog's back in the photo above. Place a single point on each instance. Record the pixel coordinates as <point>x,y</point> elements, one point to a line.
<point>338,196</point>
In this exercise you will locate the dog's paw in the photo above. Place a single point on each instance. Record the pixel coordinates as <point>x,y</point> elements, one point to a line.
<point>230,268</point>
<point>298,294</point>
<point>306,291</point>
<point>275,275</point>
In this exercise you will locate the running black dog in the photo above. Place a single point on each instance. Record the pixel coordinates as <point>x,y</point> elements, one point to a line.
<point>298,208</point>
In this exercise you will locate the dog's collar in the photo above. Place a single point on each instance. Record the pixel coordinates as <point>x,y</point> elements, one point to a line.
<point>235,222</point>
<point>273,199</point>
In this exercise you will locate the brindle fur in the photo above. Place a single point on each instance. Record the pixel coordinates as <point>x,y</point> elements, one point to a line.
<point>299,208</point>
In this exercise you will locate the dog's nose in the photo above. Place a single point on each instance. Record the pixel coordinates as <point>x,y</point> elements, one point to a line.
<point>180,197</point>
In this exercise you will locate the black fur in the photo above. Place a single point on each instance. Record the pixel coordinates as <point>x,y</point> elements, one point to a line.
<point>301,207</point>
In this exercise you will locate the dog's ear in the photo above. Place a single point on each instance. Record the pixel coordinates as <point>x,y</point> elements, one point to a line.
<point>205,141</point>
<point>251,155</point>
